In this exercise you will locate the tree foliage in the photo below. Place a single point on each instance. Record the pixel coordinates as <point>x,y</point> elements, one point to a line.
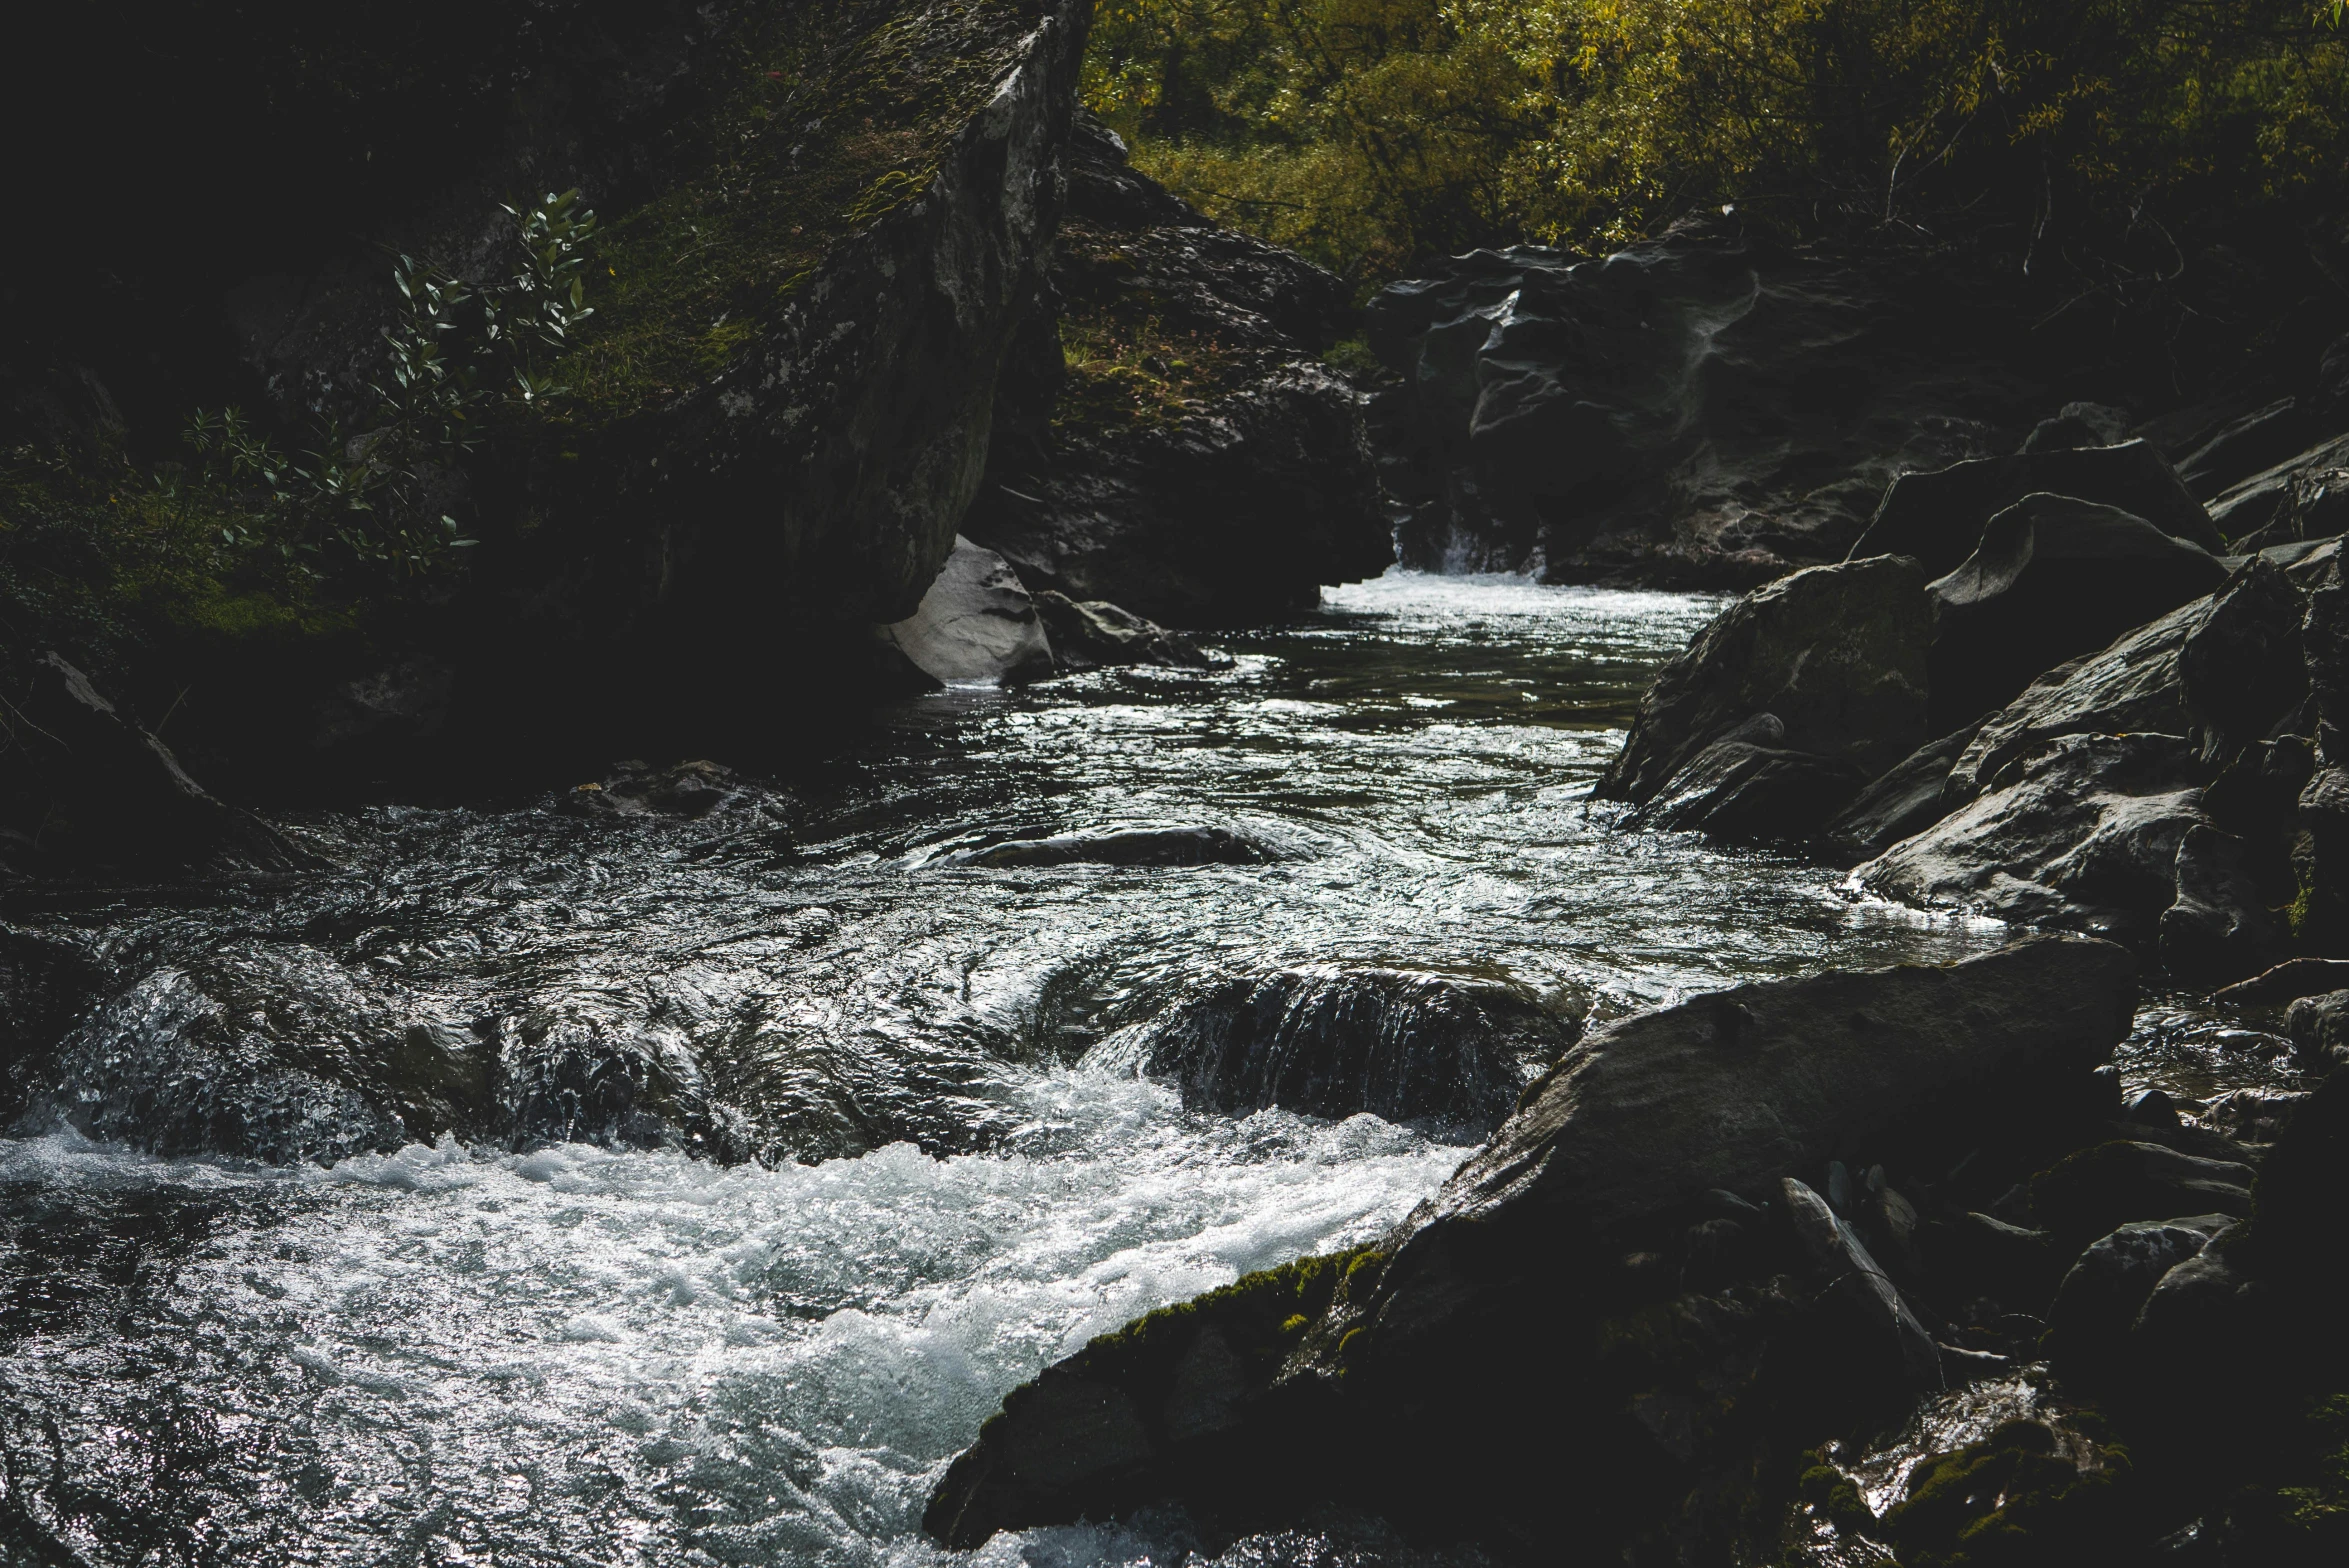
<point>1373,133</point>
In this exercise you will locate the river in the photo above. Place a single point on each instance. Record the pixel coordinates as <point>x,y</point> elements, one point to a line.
<point>582,1353</point>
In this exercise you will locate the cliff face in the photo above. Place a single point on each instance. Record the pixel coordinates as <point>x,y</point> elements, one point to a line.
<point>822,222</point>
<point>1173,440</point>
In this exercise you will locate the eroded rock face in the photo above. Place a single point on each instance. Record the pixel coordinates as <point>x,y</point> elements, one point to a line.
<point>1198,466</point>
<point>2052,578</point>
<point>1836,654</point>
<point>1938,515</point>
<point>1698,410</point>
<point>1336,1042</point>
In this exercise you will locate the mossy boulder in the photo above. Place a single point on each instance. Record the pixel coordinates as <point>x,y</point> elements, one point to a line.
<point>1172,1390</point>
<point>2027,1494</point>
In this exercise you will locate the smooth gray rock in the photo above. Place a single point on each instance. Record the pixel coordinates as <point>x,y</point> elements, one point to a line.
<point>2102,1292</point>
<point>1331,1041</point>
<point>975,623</point>
<point>1095,634</point>
<point>1938,516</point>
<point>1842,1262</point>
<point>2083,834</point>
<point>2246,445</point>
<point>2053,578</point>
<point>1835,653</point>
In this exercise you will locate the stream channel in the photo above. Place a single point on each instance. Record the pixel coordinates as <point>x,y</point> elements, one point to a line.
<point>577,1352</point>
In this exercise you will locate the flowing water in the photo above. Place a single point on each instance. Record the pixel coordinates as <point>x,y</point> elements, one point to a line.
<point>517,1351</point>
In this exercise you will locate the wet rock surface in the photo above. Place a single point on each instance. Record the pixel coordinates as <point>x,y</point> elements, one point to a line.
<point>1335,1042</point>
<point>1702,409</point>
<point>1643,1194</point>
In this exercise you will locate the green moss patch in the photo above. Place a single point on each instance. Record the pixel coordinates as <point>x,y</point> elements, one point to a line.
<point>828,116</point>
<point>2016,1498</point>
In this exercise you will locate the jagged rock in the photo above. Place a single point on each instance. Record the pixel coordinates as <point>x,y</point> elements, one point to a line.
<point>975,623</point>
<point>1702,409</point>
<point>1096,634</point>
<point>1842,1263</point>
<point>2301,497</point>
<point>1836,654</point>
<point>1198,465</point>
<point>1746,787</point>
<point>110,794</point>
<point>2083,833</point>
<point>1525,1273</point>
<point>1130,846</point>
<point>1904,800</point>
<point>2078,425</point>
<point>2324,644</point>
<point>1334,1042</point>
<point>2052,578</point>
<point>2102,1293</point>
<point>2097,1190</point>
<point>2247,445</point>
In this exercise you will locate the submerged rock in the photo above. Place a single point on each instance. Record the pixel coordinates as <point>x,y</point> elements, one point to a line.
<point>1835,654</point>
<point>1333,1042</point>
<point>1128,846</point>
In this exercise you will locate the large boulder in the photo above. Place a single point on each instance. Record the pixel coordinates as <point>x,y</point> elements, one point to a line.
<point>1173,444</point>
<point>1836,654</point>
<point>1519,1285</point>
<point>1905,799</point>
<point>2052,578</point>
<point>2083,833</point>
<point>1938,515</point>
<point>1750,787</point>
<point>1328,1041</point>
<point>1702,409</point>
<point>975,624</point>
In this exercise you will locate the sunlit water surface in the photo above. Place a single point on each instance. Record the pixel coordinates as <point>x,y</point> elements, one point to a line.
<point>580,1356</point>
